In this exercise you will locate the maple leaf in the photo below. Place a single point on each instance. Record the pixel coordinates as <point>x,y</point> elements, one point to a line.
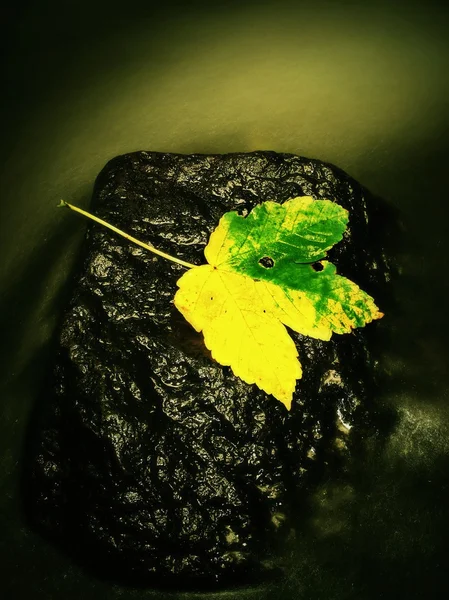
<point>266,271</point>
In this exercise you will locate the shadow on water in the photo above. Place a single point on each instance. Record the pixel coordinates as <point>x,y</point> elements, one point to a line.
<point>32,300</point>
<point>30,310</point>
<point>417,358</point>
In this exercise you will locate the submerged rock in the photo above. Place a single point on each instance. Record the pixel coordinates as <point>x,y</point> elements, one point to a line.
<point>151,460</point>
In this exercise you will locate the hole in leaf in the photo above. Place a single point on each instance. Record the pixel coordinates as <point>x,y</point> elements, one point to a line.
<point>317,266</point>
<point>266,262</point>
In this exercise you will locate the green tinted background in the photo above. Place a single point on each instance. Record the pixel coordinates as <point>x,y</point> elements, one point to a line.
<point>358,83</point>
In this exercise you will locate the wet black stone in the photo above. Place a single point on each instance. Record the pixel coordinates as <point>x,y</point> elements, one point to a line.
<point>152,463</point>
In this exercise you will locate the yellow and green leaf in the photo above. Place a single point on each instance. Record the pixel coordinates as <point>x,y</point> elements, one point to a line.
<point>264,272</point>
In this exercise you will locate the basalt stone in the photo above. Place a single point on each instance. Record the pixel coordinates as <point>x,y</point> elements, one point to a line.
<point>152,463</point>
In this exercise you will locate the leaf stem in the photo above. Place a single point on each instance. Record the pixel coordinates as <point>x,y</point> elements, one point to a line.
<point>126,235</point>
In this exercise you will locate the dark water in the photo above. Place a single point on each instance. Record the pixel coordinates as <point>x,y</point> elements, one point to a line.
<point>364,85</point>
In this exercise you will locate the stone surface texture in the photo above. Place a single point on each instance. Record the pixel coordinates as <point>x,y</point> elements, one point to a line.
<point>151,462</point>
